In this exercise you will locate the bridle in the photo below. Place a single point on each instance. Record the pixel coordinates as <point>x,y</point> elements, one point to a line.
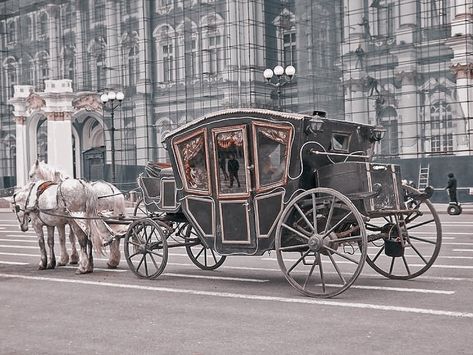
<point>25,209</point>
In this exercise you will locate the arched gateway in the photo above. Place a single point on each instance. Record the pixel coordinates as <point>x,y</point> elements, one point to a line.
<point>74,124</point>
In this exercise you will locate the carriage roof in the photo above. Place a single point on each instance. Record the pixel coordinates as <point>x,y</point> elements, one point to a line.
<point>262,114</point>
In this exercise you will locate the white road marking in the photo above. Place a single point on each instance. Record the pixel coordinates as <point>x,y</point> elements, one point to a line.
<point>18,246</point>
<point>227,295</point>
<point>95,268</point>
<point>462,249</point>
<point>397,289</point>
<point>12,263</point>
<point>215,277</point>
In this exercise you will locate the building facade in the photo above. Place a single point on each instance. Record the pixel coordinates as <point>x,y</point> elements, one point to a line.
<point>403,64</point>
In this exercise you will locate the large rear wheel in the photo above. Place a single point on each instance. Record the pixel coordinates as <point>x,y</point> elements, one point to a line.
<point>146,248</point>
<point>321,243</point>
<point>405,245</point>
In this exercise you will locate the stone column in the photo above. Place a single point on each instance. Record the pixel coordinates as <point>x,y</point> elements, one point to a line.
<point>462,14</point>
<point>58,96</point>
<point>21,151</point>
<point>113,47</point>
<point>81,51</point>
<point>405,33</point>
<point>145,45</point>
<point>356,105</point>
<point>407,115</point>
<point>464,74</point>
<point>54,40</point>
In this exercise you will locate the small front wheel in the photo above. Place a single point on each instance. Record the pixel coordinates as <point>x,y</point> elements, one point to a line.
<point>454,210</point>
<point>146,248</point>
<point>321,243</point>
<point>204,258</point>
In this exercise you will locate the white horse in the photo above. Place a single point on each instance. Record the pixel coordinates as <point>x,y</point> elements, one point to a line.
<point>50,207</point>
<point>110,199</point>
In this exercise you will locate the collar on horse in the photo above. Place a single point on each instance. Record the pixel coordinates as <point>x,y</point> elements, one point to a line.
<point>43,187</point>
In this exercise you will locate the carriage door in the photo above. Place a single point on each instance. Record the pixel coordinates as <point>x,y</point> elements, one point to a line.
<point>232,188</point>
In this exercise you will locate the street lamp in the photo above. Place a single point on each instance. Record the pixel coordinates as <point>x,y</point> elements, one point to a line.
<point>283,76</point>
<point>112,100</point>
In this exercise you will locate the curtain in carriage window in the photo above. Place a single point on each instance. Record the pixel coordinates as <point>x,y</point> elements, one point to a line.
<point>192,156</point>
<point>272,152</point>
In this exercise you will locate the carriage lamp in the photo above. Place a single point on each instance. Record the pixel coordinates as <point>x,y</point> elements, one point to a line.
<point>284,76</point>
<point>377,133</point>
<point>112,100</point>
<point>314,126</point>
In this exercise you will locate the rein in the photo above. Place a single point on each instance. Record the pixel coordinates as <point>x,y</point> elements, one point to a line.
<point>26,210</point>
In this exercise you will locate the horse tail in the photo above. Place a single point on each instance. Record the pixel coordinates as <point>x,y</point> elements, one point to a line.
<point>97,229</point>
<point>118,202</point>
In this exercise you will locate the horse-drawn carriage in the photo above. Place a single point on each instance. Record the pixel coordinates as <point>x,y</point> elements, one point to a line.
<point>249,181</point>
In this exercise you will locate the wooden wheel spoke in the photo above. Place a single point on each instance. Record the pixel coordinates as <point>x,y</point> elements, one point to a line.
<point>155,253</point>
<point>336,268</point>
<point>154,261</point>
<point>146,265</point>
<point>326,233</point>
<point>321,270</point>
<point>354,238</point>
<point>341,255</point>
<point>330,213</point>
<point>418,253</point>
<point>422,239</point>
<point>421,224</point>
<point>309,275</point>
<point>298,261</point>
<point>304,217</point>
<point>213,255</point>
<point>379,253</point>
<point>314,213</point>
<point>200,252</point>
<point>141,262</point>
<point>205,256</point>
<point>300,234</point>
<point>135,254</point>
<point>405,264</point>
<point>293,247</point>
<point>134,243</point>
<point>391,267</point>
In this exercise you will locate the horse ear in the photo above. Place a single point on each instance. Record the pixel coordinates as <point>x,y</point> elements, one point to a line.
<point>37,162</point>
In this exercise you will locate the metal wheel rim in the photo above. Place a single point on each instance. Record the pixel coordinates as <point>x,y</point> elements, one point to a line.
<point>150,258</point>
<point>410,275</point>
<point>320,257</point>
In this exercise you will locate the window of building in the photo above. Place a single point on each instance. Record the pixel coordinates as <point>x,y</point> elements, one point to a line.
<point>69,68</point>
<point>28,28</point>
<point>69,15</point>
<point>101,72</point>
<point>215,50</point>
<point>133,65</point>
<point>43,25</point>
<point>43,68</point>
<point>437,12</point>
<point>193,57</point>
<point>390,142</point>
<point>440,116</point>
<point>289,47</point>
<point>442,143</point>
<point>28,71</point>
<point>167,55</point>
<point>11,33</point>
<point>10,68</point>
<point>131,6</point>
<point>99,10</point>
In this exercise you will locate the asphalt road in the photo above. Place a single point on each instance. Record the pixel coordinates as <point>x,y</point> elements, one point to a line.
<point>244,307</point>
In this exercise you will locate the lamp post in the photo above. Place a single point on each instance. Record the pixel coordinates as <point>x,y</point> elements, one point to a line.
<point>112,100</point>
<point>283,76</point>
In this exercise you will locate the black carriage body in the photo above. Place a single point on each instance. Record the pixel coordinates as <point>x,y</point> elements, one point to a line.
<point>373,188</point>
<point>160,193</point>
<point>242,220</point>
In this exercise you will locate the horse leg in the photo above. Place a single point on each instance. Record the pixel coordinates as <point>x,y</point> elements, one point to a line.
<point>74,254</point>
<point>64,259</point>
<point>44,255</point>
<point>114,258</point>
<point>90,257</point>
<point>83,256</point>
<point>52,257</point>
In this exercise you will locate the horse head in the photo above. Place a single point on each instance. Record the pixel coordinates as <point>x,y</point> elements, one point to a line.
<point>42,171</point>
<point>22,200</point>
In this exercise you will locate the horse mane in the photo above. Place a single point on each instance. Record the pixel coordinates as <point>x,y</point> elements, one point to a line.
<point>47,172</point>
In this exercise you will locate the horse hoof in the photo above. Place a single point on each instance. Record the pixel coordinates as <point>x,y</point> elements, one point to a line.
<point>74,262</point>
<point>61,263</point>
<point>51,266</point>
<point>41,267</point>
<point>111,266</point>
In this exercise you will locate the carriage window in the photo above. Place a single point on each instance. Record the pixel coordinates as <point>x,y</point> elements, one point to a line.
<point>230,152</point>
<point>272,149</point>
<point>193,159</point>
<point>340,142</point>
